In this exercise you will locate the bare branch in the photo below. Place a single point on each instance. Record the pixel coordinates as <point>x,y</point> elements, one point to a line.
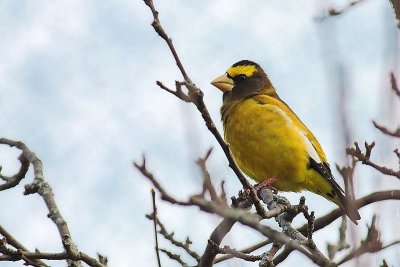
<point>326,220</point>
<point>396,8</point>
<point>16,178</point>
<point>283,213</point>
<point>245,250</point>
<point>333,215</point>
<point>365,158</point>
<point>393,80</point>
<point>252,220</point>
<point>9,239</point>
<point>207,184</point>
<point>164,195</point>
<point>370,244</point>
<point>267,258</point>
<point>283,255</point>
<point>177,92</point>
<point>43,188</point>
<point>170,237</point>
<point>285,220</point>
<point>196,97</point>
<point>31,257</point>
<point>155,219</point>
<point>395,133</point>
<point>342,244</point>
<point>332,12</point>
<point>347,173</point>
<point>216,237</point>
<point>396,90</point>
<point>233,252</point>
<point>175,257</point>
<point>159,29</point>
<point>219,233</point>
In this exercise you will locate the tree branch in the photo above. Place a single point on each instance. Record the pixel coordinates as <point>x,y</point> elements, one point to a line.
<point>395,133</point>
<point>365,159</point>
<point>14,180</point>
<point>325,220</point>
<point>170,237</point>
<point>370,244</point>
<point>245,250</point>
<point>30,257</point>
<point>43,188</point>
<point>396,9</point>
<point>9,239</point>
<point>175,257</point>
<point>393,80</point>
<point>155,220</point>
<point>195,95</point>
<point>234,253</point>
<point>332,12</point>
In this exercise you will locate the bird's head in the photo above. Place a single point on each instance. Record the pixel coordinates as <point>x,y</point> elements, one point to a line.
<point>243,79</point>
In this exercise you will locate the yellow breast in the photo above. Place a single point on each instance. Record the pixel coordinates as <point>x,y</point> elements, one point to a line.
<point>266,142</point>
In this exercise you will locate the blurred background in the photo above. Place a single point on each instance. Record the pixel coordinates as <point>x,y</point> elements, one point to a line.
<point>77,85</point>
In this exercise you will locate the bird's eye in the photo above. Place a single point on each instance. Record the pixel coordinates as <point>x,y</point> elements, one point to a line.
<point>240,78</point>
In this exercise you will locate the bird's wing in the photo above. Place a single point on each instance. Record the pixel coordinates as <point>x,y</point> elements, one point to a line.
<point>309,135</point>
<point>317,160</point>
<point>313,146</point>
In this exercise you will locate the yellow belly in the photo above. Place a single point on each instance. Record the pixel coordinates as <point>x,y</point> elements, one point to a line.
<point>265,144</point>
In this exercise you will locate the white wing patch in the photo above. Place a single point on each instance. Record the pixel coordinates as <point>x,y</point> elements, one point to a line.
<point>309,147</point>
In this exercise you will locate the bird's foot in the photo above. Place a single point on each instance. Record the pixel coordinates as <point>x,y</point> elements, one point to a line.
<point>244,194</point>
<point>267,183</point>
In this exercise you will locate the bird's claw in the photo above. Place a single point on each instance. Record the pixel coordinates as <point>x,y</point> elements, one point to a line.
<point>267,183</point>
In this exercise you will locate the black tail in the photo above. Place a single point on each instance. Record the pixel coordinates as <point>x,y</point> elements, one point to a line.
<point>347,205</point>
<point>349,208</point>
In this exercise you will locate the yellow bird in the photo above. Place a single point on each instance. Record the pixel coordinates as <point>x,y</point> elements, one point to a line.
<point>269,142</point>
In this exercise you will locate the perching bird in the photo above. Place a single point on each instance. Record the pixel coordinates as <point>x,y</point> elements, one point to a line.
<point>269,142</point>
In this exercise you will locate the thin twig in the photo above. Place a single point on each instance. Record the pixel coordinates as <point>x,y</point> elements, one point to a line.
<point>16,255</point>
<point>393,80</point>
<point>175,257</point>
<point>365,159</point>
<point>219,233</point>
<point>370,244</point>
<point>153,197</point>
<point>383,129</point>
<point>207,184</point>
<point>245,250</point>
<point>230,251</point>
<point>283,255</point>
<point>325,220</point>
<point>195,95</point>
<point>170,237</point>
<point>16,178</point>
<point>13,242</point>
<point>246,218</point>
<point>164,195</point>
<point>267,258</point>
<point>178,92</point>
<point>332,12</point>
<point>342,244</point>
<point>252,220</point>
<point>43,188</point>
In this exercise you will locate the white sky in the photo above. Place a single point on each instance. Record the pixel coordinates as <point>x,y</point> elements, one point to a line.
<point>77,85</point>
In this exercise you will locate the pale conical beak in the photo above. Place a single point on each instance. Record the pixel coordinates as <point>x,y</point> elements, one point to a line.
<point>223,83</point>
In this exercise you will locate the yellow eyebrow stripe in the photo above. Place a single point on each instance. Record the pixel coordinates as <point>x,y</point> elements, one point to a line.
<point>247,70</point>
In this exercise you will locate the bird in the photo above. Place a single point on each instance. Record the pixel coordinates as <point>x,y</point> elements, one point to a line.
<point>269,142</point>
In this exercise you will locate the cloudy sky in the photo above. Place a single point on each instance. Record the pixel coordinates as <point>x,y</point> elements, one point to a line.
<point>77,85</point>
